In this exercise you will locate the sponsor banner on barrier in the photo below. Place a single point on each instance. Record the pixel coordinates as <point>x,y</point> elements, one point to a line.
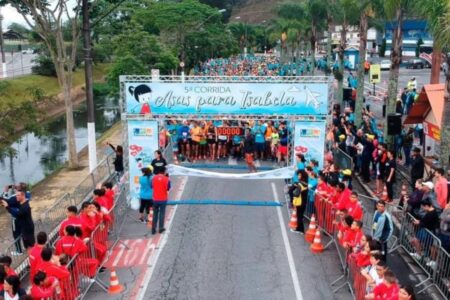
<point>142,143</point>
<point>281,173</point>
<point>309,140</point>
<point>226,98</point>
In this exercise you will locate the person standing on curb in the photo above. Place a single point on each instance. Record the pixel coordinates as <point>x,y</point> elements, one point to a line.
<point>382,227</point>
<point>22,213</point>
<point>161,187</point>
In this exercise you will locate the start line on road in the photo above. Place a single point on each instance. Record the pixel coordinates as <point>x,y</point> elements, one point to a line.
<point>225,202</point>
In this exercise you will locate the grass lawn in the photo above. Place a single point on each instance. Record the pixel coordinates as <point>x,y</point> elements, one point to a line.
<point>17,89</point>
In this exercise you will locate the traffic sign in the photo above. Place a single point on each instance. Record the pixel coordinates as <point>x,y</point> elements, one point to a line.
<point>375,74</point>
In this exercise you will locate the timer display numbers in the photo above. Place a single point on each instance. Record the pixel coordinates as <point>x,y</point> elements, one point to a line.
<point>230,131</point>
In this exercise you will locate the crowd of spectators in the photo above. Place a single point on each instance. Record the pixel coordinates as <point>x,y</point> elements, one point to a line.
<point>56,268</point>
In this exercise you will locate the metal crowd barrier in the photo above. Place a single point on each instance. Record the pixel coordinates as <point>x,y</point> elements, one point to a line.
<point>342,160</point>
<point>49,220</point>
<point>421,245</point>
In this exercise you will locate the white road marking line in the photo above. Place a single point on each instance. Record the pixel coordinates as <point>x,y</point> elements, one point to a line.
<point>287,246</point>
<point>131,251</point>
<point>152,259</point>
<point>137,252</point>
<point>119,255</point>
<point>149,248</point>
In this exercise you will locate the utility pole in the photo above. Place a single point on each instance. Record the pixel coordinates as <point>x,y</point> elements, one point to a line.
<point>2,46</point>
<point>92,147</point>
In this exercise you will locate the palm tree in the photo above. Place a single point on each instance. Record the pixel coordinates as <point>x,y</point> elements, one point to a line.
<point>367,10</point>
<point>345,14</point>
<point>432,11</point>
<point>440,26</point>
<point>315,13</point>
<point>395,9</point>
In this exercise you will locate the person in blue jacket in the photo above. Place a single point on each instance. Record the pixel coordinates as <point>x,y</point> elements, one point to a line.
<point>146,192</point>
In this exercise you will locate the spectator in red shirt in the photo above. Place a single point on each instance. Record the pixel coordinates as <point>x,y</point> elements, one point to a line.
<point>89,218</point>
<point>353,236</point>
<point>6,261</point>
<point>441,188</point>
<point>100,198</point>
<point>387,289</point>
<point>51,266</point>
<point>354,208</point>
<point>35,253</point>
<point>44,287</point>
<point>363,258</point>
<point>344,196</point>
<point>161,187</point>
<point>72,219</point>
<point>109,193</point>
<point>70,244</point>
<point>344,228</point>
<point>2,276</point>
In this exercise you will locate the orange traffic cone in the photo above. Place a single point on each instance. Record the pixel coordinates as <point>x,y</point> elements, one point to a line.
<point>114,286</point>
<point>317,246</point>
<point>150,218</point>
<point>309,235</point>
<point>384,195</point>
<point>293,221</point>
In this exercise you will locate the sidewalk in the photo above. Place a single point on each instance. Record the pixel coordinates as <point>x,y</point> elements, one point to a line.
<point>53,187</point>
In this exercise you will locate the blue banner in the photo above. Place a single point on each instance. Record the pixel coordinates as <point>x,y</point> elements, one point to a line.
<point>309,140</point>
<point>226,98</point>
<point>142,143</point>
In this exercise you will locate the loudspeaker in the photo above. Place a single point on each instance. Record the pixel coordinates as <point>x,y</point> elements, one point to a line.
<point>347,95</point>
<point>394,123</point>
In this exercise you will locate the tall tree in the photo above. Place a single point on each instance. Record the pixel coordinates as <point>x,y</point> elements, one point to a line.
<point>367,9</point>
<point>46,18</point>
<point>316,13</point>
<point>441,31</point>
<point>395,10</point>
<point>432,11</point>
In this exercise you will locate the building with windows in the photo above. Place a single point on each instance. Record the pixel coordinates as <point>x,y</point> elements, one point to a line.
<point>412,32</point>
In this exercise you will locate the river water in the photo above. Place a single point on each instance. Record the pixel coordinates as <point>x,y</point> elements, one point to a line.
<point>36,157</point>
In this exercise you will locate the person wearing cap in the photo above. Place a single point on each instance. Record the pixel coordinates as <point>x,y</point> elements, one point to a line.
<point>441,187</point>
<point>417,166</point>
<point>430,196</point>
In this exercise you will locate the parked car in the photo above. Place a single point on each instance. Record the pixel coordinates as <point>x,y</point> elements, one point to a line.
<point>385,64</point>
<point>27,51</point>
<point>415,63</point>
<point>426,63</point>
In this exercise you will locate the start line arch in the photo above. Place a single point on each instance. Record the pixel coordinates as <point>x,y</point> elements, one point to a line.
<point>148,102</point>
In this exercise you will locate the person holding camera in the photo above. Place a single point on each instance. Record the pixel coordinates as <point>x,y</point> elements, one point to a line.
<point>21,212</point>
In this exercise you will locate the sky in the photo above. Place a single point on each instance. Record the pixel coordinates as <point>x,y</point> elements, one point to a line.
<point>11,15</point>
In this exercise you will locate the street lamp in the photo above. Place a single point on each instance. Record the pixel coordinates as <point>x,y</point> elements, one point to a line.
<point>2,46</point>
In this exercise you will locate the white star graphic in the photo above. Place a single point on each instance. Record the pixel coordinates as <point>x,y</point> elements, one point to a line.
<point>311,98</point>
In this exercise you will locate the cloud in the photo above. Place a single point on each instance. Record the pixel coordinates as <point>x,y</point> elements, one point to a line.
<point>10,15</point>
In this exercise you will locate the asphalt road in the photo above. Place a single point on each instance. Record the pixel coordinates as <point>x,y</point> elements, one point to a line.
<point>237,252</point>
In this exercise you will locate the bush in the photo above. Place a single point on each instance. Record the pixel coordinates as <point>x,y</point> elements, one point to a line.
<point>44,66</point>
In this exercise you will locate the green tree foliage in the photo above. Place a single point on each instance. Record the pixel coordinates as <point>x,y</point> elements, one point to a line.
<point>18,116</point>
<point>127,64</point>
<point>44,66</point>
